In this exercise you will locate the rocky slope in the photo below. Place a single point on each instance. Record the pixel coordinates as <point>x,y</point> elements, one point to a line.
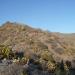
<point>22,37</point>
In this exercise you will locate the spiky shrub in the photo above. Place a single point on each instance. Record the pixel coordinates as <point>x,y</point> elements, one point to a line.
<point>5,51</point>
<point>51,66</point>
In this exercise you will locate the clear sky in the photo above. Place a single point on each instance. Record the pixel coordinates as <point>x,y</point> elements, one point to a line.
<point>52,15</point>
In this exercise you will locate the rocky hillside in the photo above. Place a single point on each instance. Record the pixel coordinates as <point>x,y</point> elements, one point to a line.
<point>35,41</point>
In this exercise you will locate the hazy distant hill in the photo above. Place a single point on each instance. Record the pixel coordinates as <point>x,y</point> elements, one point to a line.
<point>19,36</point>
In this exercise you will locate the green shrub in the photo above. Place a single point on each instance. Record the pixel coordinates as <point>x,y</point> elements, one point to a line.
<point>5,51</point>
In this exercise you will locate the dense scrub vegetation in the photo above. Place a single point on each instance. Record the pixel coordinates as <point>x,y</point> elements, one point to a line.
<point>43,64</point>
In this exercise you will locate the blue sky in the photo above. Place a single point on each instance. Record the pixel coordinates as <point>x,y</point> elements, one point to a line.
<point>52,15</point>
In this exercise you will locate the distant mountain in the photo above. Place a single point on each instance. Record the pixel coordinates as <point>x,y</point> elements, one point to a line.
<point>22,37</point>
